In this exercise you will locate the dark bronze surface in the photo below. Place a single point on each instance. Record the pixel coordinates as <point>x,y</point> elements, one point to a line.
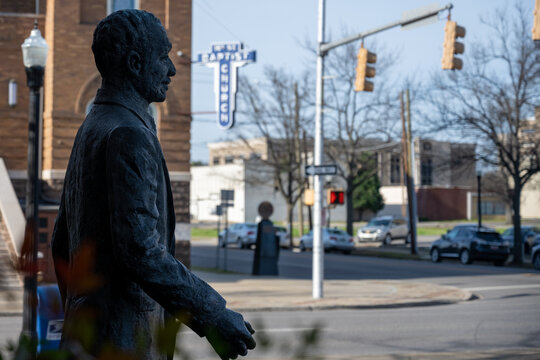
<point>113,242</point>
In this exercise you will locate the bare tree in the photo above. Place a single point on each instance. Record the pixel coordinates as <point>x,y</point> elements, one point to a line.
<point>278,109</point>
<point>356,123</point>
<point>491,99</point>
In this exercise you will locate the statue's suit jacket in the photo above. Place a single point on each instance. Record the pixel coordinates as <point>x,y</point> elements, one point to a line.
<point>113,242</point>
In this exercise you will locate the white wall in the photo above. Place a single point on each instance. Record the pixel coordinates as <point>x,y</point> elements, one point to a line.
<point>530,199</point>
<point>206,185</point>
<point>207,181</point>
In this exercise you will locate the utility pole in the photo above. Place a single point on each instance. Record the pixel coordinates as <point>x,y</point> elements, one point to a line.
<point>404,157</point>
<point>410,180</point>
<point>322,51</point>
<point>298,157</point>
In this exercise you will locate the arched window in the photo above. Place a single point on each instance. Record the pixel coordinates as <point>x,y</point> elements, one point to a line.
<point>114,5</point>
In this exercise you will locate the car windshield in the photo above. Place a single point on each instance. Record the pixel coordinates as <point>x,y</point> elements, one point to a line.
<point>278,228</point>
<point>509,232</point>
<point>489,236</point>
<point>378,222</point>
<point>251,226</point>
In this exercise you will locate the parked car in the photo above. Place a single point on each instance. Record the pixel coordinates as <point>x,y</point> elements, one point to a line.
<point>333,239</point>
<point>385,229</point>
<point>535,257</point>
<point>281,233</point>
<point>528,234</point>
<point>243,235</point>
<point>536,241</point>
<point>469,243</point>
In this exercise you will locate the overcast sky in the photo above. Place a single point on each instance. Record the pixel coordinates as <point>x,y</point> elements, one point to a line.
<point>276,28</point>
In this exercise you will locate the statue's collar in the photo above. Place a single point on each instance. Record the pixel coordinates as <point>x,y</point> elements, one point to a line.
<point>105,95</point>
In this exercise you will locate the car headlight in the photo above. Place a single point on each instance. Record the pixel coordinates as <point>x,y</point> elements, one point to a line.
<point>378,231</point>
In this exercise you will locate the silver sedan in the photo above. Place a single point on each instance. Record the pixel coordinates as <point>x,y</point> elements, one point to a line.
<point>333,239</point>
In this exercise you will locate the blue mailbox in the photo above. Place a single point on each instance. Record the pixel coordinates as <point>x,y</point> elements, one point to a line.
<point>50,317</point>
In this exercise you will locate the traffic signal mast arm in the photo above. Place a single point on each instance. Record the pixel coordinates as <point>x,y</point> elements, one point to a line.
<point>325,47</point>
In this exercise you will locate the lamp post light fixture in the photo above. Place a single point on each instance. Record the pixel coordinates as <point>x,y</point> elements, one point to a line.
<point>34,51</point>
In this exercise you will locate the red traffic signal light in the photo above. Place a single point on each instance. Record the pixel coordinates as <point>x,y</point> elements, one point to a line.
<point>335,197</point>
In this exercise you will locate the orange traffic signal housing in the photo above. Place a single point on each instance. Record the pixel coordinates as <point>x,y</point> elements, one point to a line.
<point>451,47</point>
<point>335,197</point>
<point>363,70</point>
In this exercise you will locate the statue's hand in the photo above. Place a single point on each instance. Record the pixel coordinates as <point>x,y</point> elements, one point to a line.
<point>230,335</point>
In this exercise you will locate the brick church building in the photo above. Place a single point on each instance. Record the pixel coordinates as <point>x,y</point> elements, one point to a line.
<point>70,84</point>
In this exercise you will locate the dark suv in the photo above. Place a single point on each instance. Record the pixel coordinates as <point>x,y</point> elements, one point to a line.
<point>468,243</point>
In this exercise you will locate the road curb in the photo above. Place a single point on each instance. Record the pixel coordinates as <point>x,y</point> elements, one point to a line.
<point>471,297</point>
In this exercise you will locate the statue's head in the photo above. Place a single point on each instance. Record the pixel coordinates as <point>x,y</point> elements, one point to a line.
<point>132,45</point>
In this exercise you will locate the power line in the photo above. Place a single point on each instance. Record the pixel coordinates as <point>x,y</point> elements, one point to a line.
<point>219,22</point>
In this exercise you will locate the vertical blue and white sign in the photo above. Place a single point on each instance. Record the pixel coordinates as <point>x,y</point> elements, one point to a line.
<point>225,59</point>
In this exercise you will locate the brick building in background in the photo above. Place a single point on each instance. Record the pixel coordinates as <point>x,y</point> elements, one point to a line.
<point>70,84</point>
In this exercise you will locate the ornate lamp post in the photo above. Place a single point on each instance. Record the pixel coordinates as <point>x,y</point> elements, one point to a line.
<point>34,51</point>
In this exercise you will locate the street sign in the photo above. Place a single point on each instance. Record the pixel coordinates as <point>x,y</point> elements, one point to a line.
<point>226,58</point>
<point>320,170</point>
<point>227,195</point>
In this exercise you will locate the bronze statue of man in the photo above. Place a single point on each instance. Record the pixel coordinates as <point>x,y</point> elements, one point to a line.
<point>113,241</point>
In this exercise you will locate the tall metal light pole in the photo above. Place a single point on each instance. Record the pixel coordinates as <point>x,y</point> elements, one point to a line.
<point>34,50</point>
<point>318,253</point>
<point>322,49</point>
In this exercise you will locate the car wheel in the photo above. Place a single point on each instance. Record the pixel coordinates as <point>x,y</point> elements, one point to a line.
<point>527,248</point>
<point>347,252</point>
<point>302,246</point>
<point>536,262</point>
<point>465,257</point>
<point>435,255</point>
<point>387,239</point>
<point>499,262</point>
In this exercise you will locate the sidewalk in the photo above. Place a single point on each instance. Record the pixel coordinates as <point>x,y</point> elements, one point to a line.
<point>261,293</point>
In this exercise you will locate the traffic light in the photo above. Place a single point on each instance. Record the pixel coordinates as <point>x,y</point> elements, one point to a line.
<point>536,21</point>
<point>451,46</point>
<point>363,70</point>
<point>335,197</point>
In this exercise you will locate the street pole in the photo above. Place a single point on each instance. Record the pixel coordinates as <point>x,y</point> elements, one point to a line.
<point>226,235</point>
<point>34,51</point>
<point>322,49</point>
<point>411,166</point>
<point>318,253</point>
<point>479,197</point>
<point>35,81</point>
<point>218,213</point>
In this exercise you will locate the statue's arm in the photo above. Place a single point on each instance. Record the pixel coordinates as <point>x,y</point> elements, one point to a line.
<point>60,249</point>
<point>132,172</point>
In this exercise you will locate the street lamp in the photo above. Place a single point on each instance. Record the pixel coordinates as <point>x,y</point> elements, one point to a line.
<point>479,198</point>
<point>34,51</point>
